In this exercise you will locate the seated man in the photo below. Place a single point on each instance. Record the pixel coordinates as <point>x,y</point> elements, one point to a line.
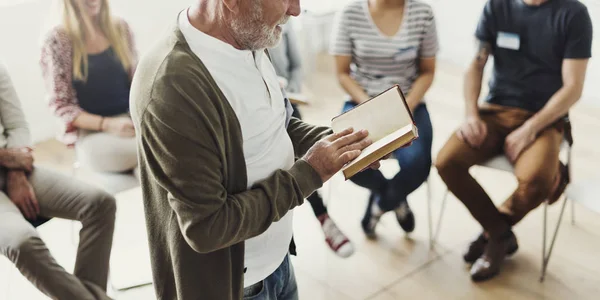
<point>541,50</point>
<point>30,192</point>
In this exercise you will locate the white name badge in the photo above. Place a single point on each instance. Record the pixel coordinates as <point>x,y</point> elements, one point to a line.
<point>508,40</point>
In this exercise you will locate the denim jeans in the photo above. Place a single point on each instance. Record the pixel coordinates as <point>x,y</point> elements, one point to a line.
<point>415,164</point>
<point>281,285</point>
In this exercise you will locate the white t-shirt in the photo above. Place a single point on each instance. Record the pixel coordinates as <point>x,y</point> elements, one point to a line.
<point>248,81</point>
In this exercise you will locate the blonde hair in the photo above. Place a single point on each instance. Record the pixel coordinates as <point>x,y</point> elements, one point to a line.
<point>75,21</point>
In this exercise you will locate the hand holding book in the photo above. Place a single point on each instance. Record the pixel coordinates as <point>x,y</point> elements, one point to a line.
<point>389,122</point>
<point>330,154</point>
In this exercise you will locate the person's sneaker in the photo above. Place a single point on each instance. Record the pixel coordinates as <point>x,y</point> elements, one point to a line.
<point>488,265</point>
<point>405,217</point>
<point>335,238</point>
<point>372,216</point>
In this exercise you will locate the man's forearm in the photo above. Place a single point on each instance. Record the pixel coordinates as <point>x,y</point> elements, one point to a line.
<point>557,107</point>
<point>419,88</point>
<point>472,90</point>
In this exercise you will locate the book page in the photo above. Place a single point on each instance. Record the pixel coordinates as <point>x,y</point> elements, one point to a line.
<point>380,116</point>
<point>381,143</point>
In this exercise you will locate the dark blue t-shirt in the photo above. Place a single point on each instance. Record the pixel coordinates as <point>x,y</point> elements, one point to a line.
<point>529,44</point>
<point>106,91</point>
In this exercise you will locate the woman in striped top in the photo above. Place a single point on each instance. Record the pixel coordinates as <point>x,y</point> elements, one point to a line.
<point>377,44</point>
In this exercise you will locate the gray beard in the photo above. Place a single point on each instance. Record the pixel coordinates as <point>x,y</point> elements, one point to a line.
<point>252,34</point>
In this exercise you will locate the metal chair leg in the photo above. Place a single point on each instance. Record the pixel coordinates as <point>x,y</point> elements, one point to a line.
<point>433,235</point>
<point>572,212</point>
<point>546,256</point>
<point>429,214</point>
<point>440,216</point>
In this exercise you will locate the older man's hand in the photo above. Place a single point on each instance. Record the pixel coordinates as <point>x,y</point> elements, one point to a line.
<point>330,154</point>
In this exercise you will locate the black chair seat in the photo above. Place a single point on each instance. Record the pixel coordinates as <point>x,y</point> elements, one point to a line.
<point>39,221</point>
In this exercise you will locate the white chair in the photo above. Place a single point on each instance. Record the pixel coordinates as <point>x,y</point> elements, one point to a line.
<point>502,163</point>
<point>586,193</point>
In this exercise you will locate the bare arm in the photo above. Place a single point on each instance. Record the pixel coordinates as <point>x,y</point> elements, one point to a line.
<point>573,74</point>
<point>423,82</point>
<point>474,131</point>
<point>88,121</point>
<point>348,83</point>
<point>473,78</point>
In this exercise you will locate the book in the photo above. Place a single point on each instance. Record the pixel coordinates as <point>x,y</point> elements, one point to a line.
<point>389,122</point>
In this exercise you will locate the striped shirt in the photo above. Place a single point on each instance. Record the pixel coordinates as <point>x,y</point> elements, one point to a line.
<point>380,61</point>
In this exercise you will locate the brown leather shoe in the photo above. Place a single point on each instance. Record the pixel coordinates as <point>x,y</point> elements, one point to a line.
<point>475,249</point>
<point>488,265</point>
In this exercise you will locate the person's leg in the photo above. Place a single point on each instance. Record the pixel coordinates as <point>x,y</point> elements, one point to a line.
<point>20,243</point>
<point>453,163</point>
<point>334,237</point>
<point>536,170</point>
<point>415,165</point>
<point>290,286</point>
<point>369,178</point>
<point>280,285</point>
<point>62,197</point>
<point>104,152</point>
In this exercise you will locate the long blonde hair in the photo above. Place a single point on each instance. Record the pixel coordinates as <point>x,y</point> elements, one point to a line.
<point>75,21</point>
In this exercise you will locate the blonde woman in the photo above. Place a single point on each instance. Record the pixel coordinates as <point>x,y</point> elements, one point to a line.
<point>88,62</point>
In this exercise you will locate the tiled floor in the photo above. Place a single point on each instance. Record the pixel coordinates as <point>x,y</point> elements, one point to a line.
<point>394,266</point>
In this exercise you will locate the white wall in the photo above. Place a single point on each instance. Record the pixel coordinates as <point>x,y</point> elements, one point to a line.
<point>21,26</point>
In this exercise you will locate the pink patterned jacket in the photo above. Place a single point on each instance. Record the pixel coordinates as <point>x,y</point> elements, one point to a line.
<point>57,69</point>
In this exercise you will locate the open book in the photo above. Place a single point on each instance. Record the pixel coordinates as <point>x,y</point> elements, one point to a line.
<point>389,122</point>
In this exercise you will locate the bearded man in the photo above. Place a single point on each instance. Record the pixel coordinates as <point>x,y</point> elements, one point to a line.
<point>222,161</point>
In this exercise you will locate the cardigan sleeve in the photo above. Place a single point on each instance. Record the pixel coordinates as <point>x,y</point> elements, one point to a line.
<point>57,71</point>
<point>185,144</point>
<point>304,136</point>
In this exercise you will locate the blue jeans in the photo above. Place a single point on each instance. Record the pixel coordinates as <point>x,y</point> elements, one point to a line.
<point>281,285</point>
<point>415,164</point>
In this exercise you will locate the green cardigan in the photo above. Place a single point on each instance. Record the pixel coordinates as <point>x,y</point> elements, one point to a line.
<point>193,176</point>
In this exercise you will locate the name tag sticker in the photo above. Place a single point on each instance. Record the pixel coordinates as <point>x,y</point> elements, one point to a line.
<point>508,40</point>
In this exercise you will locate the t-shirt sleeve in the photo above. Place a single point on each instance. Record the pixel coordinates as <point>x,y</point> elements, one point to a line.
<point>485,28</point>
<point>579,36</point>
<point>429,45</point>
<point>341,43</point>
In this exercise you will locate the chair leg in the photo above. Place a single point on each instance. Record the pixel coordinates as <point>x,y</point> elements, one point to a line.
<point>545,224</point>
<point>429,214</point>
<point>572,212</point>
<point>546,256</point>
<point>433,235</point>
<point>440,216</point>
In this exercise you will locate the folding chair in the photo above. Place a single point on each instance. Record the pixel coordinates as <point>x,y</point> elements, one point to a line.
<point>501,163</point>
